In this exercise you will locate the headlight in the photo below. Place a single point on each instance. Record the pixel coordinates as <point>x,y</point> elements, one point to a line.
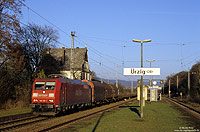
<point>35,94</point>
<point>50,100</point>
<point>51,95</point>
<point>35,100</point>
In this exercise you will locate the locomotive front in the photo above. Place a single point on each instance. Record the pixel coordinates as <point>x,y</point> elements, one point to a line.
<point>43,95</point>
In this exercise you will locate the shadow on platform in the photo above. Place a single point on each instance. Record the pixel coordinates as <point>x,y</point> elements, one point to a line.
<point>95,127</point>
<point>135,110</point>
<point>132,108</point>
<point>128,106</point>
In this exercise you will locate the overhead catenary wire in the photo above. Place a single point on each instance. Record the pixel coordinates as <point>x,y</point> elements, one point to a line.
<point>107,68</point>
<point>152,44</point>
<point>192,61</point>
<point>91,48</point>
<point>48,21</point>
<point>108,57</point>
<point>94,50</point>
<point>99,53</point>
<point>27,26</point>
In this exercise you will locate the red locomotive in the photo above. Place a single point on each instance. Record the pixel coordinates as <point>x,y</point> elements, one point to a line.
<point>59,94</point>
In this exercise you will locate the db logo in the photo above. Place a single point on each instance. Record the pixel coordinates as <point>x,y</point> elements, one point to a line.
<point>149,71</point>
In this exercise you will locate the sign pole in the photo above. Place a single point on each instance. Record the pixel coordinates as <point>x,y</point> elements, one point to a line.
<point>169,88</point>
<point>141,86</point>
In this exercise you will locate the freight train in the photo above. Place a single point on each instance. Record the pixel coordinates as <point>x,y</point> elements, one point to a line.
<point>60,94</point>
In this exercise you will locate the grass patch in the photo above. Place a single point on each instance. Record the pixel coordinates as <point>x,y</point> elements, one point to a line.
<point>158,117</point>
<point>14,111</point>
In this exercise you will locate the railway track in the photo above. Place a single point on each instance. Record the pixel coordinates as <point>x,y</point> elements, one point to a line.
<point>194,112</point>
<point>42,124</point>
<point>15,124</point>
<point>64,124</point>
<point>15,117</point>
<point>17,120</point>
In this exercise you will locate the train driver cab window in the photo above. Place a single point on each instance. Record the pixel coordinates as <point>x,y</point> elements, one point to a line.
<point>39,85</point>
<point>50,85</point>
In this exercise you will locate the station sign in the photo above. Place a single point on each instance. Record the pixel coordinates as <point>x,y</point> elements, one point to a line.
<point>142,71</point>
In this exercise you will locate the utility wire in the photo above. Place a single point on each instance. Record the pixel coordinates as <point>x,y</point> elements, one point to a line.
<point>48,21</point>
<point>26,25</point>
<point>91,48</point>
<point>94,50</point>
<point>99,53</point>
<point>105,39</point>
<point>192,61</point>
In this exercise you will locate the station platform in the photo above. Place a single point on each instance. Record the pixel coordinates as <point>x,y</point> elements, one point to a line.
<point>160,116</point>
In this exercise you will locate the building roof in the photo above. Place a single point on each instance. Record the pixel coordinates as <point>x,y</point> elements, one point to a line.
<point>63,55</point>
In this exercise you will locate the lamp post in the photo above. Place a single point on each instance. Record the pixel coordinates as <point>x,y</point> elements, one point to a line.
<point>169,88</point>
<point>150,80</point>
<point>150,61</point>
<point>141,86</point>
<point>150,67</point>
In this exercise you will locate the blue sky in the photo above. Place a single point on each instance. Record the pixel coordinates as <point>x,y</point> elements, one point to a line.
<point>108,27</point>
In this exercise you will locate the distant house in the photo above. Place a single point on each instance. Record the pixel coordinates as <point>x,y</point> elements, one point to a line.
<point>73,66</point>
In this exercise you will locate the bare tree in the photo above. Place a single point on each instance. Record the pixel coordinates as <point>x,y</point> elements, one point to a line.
<point>10,11</point>
<point>11,55</point>
<point>36,40</point>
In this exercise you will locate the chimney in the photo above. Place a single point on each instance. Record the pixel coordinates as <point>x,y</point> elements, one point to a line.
<point>63,60</point>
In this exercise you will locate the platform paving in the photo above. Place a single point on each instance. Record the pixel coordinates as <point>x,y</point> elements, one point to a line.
<point>160,116</point>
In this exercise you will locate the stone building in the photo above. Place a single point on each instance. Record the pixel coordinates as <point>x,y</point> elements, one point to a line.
<point>73,63</point>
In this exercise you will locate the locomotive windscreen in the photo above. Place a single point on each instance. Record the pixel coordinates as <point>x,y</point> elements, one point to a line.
<point>39,85</point>
<point>50,85</point>
<point>45,85</point>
